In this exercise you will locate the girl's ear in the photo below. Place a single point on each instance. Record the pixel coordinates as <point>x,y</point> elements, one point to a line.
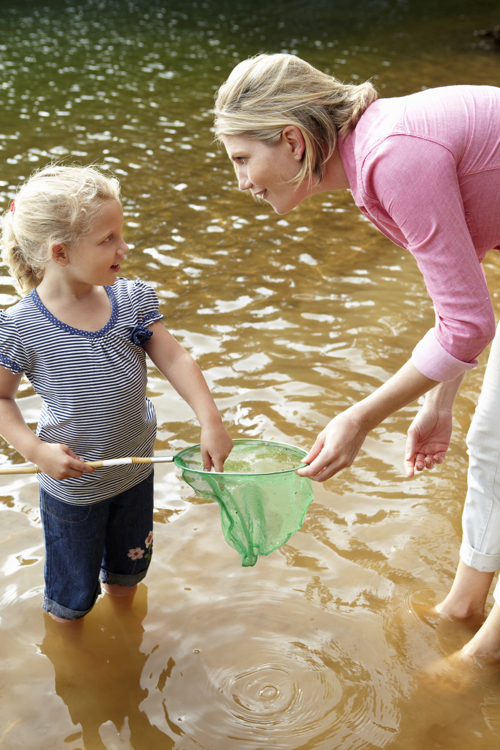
<point>293,138</point>
<point>59,254</point>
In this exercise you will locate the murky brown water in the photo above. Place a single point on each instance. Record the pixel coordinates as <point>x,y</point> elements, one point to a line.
<point>321,644</point>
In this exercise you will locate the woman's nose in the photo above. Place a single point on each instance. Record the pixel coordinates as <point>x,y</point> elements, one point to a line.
<point>243,182</point>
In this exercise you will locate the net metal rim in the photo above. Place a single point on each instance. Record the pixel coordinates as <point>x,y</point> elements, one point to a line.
<point>252,441</point>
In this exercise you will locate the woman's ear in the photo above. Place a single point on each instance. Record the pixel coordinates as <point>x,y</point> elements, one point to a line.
<point>59,254</point>
<point>292,136</point>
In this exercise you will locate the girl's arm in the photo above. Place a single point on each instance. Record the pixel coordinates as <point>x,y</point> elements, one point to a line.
<point>183,373</point>
<point>55,459</point>
<point>338,444</point>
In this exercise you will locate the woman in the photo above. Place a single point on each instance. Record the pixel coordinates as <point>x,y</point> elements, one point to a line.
<point>424,169</point>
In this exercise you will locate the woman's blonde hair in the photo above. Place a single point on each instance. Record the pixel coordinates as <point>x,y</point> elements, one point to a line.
<point>56,205</point>
<point>268,92</point>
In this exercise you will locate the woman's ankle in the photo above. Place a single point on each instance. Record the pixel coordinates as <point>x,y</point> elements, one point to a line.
<point>467,597</point>
<point>460,609</point>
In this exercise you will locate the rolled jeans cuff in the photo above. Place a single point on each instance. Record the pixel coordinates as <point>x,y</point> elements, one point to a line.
<point>122,579</point>
<point>53,608</point>
<point>481,561</point>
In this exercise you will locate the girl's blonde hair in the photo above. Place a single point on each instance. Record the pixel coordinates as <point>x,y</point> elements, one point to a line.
<point>268,92</point>
<point>56,205</point>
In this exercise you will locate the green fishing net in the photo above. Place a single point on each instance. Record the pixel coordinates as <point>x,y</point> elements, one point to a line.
<point>262,500</point>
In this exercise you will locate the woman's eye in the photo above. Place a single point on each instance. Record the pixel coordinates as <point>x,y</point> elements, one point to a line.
<point>242,160</point>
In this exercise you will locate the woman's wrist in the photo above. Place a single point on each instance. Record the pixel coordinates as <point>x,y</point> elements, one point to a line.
<point>442,397</point>
<point>401,389</point>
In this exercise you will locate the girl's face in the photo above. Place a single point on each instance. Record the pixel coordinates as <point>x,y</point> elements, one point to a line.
<point>96,258</point>
<point>266,169</point>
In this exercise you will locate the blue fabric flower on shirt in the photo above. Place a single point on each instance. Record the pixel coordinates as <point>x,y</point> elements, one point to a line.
<point>140,335</point>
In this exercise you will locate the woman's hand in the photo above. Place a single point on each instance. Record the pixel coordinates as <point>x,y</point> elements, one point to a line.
<point>216,445</point>
<point>430,432</point>
<point>428,439</point>
<point>338,444</point>
<point>335,448</point>
<point>59,461</point>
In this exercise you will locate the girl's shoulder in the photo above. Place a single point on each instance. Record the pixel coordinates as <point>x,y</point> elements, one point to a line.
<point>134,291</point>
<point>135,299</point>
<point>19,310</point>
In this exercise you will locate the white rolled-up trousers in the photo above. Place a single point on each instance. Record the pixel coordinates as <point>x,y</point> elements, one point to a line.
<point>481,517</point>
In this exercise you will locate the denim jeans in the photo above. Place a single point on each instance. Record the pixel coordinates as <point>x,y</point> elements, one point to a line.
<point>111,540</point>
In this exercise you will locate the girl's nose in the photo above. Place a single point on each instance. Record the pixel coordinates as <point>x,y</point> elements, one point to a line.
<point>124,248</point>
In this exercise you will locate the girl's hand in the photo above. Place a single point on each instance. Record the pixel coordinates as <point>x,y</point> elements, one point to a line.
<point>216,445</point>
<point>335,448</point>
<point>59,461</point>
<point>428,439</point>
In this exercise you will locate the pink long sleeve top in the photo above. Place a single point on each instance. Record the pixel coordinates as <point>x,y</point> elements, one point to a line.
<point>425,170</point>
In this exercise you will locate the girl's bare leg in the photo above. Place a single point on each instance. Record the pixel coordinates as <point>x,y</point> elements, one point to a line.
<point>62,619</point>
<point>115,590</point>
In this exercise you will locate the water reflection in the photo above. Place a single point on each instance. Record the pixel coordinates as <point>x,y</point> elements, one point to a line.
<point>323,644</point>
<point>97,667</point>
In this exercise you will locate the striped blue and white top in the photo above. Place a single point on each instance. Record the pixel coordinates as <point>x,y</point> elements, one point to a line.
<point>92,384</point>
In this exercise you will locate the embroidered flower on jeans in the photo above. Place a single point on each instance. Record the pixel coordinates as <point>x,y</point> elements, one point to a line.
<point>136,554</point>
<point>149,540</point>
<point>140,335</point>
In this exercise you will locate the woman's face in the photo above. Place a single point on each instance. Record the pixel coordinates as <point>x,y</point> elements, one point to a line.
<point>266,169</point>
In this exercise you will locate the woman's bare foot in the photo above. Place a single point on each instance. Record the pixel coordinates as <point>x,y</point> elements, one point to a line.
<point>460,674</point>
<point>484,648</point>
<point>474,665</point>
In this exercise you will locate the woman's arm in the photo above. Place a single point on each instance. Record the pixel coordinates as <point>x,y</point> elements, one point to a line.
<point>183,373</point>
<point>55,459</point>
<point>430,432</point>
<point>338,444</point>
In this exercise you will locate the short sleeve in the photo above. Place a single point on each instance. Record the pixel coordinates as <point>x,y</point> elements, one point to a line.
<point>145,303</point>
<point>12,354</point>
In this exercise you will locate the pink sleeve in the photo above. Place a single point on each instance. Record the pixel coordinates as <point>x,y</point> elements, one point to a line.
<point>415,182</point>
<point>436,363</point>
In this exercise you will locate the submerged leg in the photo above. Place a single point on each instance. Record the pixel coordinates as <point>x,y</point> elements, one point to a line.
<point>115,590</point>
<point>484,648</point>
<point>63,620</point>
<point>467,597</point>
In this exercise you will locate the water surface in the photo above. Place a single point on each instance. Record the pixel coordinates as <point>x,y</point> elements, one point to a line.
<point>324,643</point>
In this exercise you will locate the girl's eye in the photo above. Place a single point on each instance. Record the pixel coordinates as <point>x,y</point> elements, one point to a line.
<point>109,238</point>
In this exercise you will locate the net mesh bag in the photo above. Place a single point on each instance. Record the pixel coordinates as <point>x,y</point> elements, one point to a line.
<point>262,500</point>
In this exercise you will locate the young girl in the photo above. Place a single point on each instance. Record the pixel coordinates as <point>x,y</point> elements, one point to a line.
<point>80,335</point>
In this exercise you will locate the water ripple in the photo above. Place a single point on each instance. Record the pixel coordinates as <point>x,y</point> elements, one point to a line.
<point>267,676</point>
